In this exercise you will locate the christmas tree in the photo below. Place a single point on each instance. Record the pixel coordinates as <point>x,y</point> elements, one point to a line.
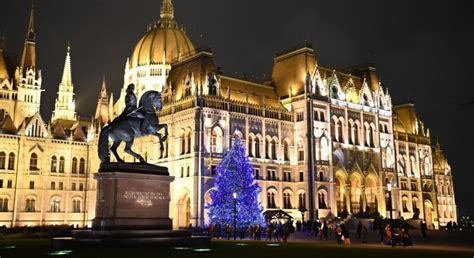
<point>235,176</point>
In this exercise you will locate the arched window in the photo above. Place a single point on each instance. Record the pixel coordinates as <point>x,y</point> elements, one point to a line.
<point>302,201</point>
<point>286,150</point>
<point>322,199</point>
<point>251,146</point>
<point>368,135</point>
<point>257,147</point>
<point>340,135</point>
<point>356,133</point>
<point>300,150</point>
<point>3,204</point>
<point>321,176</point>
<point>30,205</point>
<point>3,160</point>
<point>405,203</point>
<point>82,166</point>
<point>76,206</point>
<point>268,149</point>
<point>188,141</point>
<point>324,149</point>
<point>287,201</point>
<point>55,205</point>
<point>11,161</point>
<point>61,164</point>
<point>414,201</point>
<point>182,141</point>
<point>274,149</point>
<point>74,165</point>
<point>54,164</point>
<point>351,131</point>
<point>216,140</point>
<point>34,162</point>
<point>413,165</point>
<point>271,200</point>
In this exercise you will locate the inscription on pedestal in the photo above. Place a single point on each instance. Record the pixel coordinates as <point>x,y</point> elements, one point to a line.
<point>145,198</point>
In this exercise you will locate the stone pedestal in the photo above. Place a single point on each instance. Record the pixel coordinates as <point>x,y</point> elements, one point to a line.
<point>133,200</point>
<point>132,209</point>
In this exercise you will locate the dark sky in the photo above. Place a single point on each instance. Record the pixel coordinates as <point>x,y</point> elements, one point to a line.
<point>423,47</point>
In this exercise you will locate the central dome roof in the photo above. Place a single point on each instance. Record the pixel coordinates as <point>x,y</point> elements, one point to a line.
<point>163,39</point>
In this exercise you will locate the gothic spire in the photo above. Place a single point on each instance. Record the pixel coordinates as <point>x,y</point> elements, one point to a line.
<point>28,58</point>
<point>65,107</point>
<point>31,35</point>
<point>167,10</point>
<point>103,90</point>
<point>67,73</point>
<point>102,112</point>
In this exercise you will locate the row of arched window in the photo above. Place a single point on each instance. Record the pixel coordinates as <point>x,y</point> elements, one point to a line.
<point>443,189</point>
<point>58,165</point>
<point>185,141</point>
<point>409,167</point>
<point>405,205</point>
<point>10,165</point>
<point>269,147</point>
<point>287,203</point>
<point>354,132</point>
<point>55,205</point>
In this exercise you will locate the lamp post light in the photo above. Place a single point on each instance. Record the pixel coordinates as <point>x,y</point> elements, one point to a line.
<point>235,216</point>
<point>389,188</point>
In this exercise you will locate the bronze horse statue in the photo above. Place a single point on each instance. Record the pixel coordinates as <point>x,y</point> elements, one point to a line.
<point>127,127</point>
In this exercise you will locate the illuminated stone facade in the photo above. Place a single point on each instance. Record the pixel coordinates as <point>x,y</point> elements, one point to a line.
<point>321,140</point>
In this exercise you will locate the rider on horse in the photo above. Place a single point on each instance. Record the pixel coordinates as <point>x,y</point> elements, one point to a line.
<point>131,109</point>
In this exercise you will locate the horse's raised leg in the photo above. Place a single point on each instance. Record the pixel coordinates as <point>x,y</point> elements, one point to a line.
<point>114,151</point>
<point>128,149</point>
<point>162,147</point>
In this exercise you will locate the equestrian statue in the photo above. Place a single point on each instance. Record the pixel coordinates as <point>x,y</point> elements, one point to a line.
<point>134,122</point>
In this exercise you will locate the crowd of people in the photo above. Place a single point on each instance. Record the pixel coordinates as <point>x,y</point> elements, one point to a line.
<point>453,226</point>
<point>391,232</point>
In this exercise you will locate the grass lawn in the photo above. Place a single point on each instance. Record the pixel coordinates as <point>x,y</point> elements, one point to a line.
<point>33,248</point>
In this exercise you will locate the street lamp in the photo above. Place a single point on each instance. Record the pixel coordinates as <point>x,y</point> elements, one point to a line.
<point>235,216</point>
<point>389,188</point>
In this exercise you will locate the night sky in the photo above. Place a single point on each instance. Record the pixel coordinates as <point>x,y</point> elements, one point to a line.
<point>420,48</point>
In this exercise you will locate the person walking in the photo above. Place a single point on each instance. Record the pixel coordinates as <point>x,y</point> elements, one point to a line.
<point>388,234</point>
<point>423,228</point>
<point>269,232</point>
<point>325,230</point>
<point>359,229</point>
<point>339,235</point>
<point>381,233</point>
<point>365,234</point>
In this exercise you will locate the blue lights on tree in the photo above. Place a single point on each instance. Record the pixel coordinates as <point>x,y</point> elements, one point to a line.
<point>235,175</point>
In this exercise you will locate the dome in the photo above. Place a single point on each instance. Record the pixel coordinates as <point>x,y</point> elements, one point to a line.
<point>164,37</point>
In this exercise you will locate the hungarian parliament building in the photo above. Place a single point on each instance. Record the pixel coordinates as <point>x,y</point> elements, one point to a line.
<point>323,143</point>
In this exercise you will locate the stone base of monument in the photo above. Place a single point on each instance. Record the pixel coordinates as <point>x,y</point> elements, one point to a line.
<point>132,209</point>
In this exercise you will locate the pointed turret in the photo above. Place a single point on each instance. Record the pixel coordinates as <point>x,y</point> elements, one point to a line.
<point>28,58</point>
<point>67,72</point>
<point>102,115</point>
<point>65,108</point>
